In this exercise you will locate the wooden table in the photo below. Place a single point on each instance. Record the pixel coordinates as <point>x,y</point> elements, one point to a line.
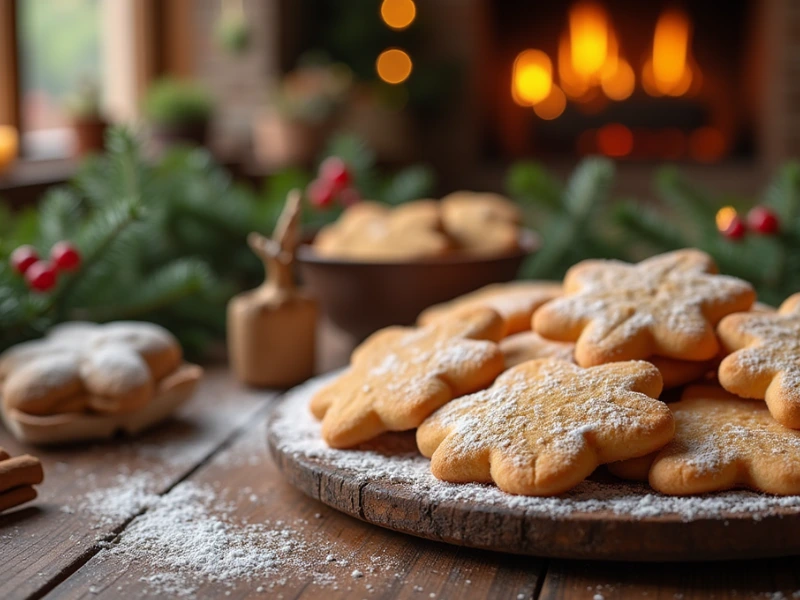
<point>60,547</point>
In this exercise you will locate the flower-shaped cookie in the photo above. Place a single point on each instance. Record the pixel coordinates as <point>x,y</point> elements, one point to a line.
<point>515,302</point>
<point>545,425</point>
<point>400,375</point>
<point>721,442</point>
<point>529,345</point>
<point>667,305</point>
<point>765,359</point>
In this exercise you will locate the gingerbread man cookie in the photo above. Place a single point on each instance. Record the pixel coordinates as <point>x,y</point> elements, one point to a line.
<point>765,359</point>
<point>515,302</point>
<point>721,442</point>
<point>545,425</point>
<point>400,375</point>
<point>667,305</point>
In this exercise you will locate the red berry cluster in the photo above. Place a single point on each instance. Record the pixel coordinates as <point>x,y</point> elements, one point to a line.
<point>41,275</point>
<point>333,182</point>
<point>760,220</point>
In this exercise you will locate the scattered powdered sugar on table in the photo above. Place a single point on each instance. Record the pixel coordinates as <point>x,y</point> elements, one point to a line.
<point>130,494</point>
<point>192,536</point>
<point>298,434</point>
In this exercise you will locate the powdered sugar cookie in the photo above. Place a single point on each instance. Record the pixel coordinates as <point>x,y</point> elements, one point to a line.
<point>545,425</point>
<point>117,379</point>
<point>666,306</point>
<point>157,346</point>
<point>400,375</point>
<point>765,359</point>
<point>722,442</point>
<point>676,372</point>
<point>47,385</point>
<point>411,232</point>
<point>482,223</point>
<point>515,302</point>
<point>529,345</point>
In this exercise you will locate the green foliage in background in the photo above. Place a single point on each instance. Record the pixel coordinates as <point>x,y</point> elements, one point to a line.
<point>410,183</point>
<point>573,218</point>
<point>175,102</point>
<point>162,242</point>
<point>581,220</point>
<point>685,217</point>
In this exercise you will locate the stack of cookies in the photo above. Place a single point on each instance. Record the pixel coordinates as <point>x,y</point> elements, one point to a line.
<point>469,223</point>
<point>532,386</point>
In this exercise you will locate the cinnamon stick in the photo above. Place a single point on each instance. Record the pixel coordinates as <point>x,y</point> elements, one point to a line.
<point>18,471</point>
<point>16,496</point>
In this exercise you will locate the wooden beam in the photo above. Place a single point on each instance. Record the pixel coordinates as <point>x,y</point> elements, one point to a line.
<point>9,64</point>
<point>176,40</point>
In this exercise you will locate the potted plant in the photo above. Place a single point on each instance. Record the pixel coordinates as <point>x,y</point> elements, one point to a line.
<point>300,114</point>
<point>88,123</point>
<point>178,112</point>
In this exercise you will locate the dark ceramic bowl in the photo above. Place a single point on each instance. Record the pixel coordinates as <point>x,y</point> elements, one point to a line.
<point>362,297</point>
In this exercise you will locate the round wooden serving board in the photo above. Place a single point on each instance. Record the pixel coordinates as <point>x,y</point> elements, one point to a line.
<point>387,483</point>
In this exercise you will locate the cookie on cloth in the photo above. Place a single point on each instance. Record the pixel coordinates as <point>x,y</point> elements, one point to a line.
<point>482,223</point>
<point>515,302</point>
<point>400,375</point>
<point>545,425</point>
<point>765,358</point>
<point>721,442</point>
<point>529,345</point>
<point>667,306</point>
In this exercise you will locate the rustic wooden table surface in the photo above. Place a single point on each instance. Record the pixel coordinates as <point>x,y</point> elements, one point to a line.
<point>69,543</point>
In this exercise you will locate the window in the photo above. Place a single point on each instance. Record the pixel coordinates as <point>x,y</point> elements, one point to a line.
<point>59,49</point>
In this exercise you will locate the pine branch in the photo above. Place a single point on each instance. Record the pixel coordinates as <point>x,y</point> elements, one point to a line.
<point>783,193</point>
<point>176,281</point>
<point>649,227</point>
<point>530,183</point>
<point>588,187</point>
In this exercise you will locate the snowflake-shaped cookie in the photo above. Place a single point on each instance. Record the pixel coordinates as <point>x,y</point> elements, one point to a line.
<point>667,305</point>
<point>545,425</point>
<point>400,375</point>
<point>765,363</point>
<point>515,302</point>
<point>721,442</point>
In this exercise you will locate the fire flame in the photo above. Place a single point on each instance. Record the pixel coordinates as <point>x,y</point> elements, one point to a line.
<point>590,67</point>
<point>668,72</point>
<point>532,77</point>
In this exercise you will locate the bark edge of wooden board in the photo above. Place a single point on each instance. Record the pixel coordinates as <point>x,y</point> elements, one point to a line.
<point>585,536</point>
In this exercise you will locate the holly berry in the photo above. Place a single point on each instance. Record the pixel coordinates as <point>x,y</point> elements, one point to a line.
<point>334,170</point>
<point>23,257</point>
<point>65,256</point>
<point>762,220</point>
<point>320,193</point>
<point>41,276</point>
<point>349,196</point>
<point>735,229</point>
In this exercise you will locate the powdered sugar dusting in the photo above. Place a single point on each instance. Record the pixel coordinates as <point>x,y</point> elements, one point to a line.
<point>665,294</point>
<point>193,536</point>
<point>299,435</point>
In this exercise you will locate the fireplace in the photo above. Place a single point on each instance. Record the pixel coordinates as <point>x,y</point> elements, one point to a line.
<point>631,80</point>
<point>710,86</point>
